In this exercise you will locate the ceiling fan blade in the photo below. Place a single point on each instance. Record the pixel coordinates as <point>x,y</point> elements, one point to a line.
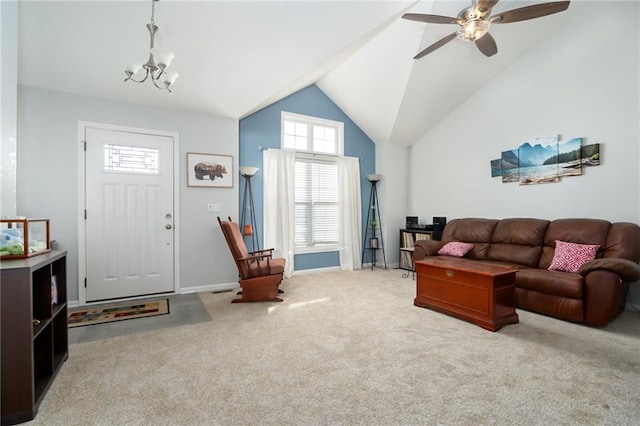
<point>431,19</point>
<point>487,45</point>
<point>529,12</point>
<point>436,45</point>
<point>483,7</point>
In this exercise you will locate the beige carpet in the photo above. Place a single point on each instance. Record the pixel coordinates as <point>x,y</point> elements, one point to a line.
<point>350,348</point>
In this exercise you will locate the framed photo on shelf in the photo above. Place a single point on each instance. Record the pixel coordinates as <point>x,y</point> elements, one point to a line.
<point>209,170</point>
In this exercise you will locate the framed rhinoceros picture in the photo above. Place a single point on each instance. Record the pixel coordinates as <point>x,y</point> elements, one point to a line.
<point>209,170</point>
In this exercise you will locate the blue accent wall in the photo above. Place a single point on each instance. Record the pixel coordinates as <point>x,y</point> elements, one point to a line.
<point>262,129</point>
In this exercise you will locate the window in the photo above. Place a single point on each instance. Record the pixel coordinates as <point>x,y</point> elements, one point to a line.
<point>310,134</point>
<point>317,143</point>
<point>316,206</point>
<point>131,159</point>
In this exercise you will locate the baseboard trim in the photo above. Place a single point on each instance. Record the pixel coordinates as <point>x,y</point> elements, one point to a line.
<point>632,307</point>
<point>210,287</point>
<point>316,270</point>
<point>381,265</point>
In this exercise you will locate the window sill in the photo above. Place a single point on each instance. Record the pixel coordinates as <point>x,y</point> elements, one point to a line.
<point>315,250</point>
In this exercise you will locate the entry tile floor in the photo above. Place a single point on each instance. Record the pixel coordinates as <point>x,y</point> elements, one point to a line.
<point>184,309</point>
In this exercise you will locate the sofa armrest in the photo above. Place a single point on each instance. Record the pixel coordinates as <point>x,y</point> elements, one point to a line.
<point>424,248</point>
<point>629,271</point>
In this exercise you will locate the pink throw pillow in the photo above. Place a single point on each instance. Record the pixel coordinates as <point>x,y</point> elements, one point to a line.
<point>456,249</point>
<point>569,257</point>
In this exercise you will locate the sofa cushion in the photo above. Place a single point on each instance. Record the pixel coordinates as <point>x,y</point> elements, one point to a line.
<point>565,308</point>
<point>518,240</point>
<point>570,257</point>
<point>471,230</point>
<point>580,231</point>
<point>557,283</point>
<point>455,248</point>
<point>623,242</point>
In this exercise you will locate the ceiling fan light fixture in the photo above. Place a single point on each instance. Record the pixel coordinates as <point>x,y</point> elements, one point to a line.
<point>473,30</point>
<point>475,20</point>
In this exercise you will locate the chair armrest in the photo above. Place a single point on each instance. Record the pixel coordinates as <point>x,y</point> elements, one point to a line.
<point>269,251</point>
<point>629,271</point>
<point>424,248</point>
<point>256,257</point>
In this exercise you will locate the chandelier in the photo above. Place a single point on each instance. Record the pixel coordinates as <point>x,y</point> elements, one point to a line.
<point>157,64</point>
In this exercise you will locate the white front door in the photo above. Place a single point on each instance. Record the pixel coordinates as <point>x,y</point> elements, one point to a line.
<point>129,214</point>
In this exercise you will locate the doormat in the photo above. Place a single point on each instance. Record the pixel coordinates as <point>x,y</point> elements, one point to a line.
<point>82,317</point>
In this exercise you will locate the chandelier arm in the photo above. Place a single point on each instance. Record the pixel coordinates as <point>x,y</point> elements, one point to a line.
<point>130,78</point>
<point>157,74</point>
<point>155,83</point>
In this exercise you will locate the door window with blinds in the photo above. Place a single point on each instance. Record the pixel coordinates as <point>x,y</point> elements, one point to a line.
<point>318,144</point>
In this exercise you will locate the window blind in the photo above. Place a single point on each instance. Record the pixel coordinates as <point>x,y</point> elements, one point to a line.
<point>317,213</point>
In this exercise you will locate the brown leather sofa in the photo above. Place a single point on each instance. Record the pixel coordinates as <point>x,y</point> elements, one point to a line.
<point>595,295</point>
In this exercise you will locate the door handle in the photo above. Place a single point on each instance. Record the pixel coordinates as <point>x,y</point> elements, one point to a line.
<point>168,226</point>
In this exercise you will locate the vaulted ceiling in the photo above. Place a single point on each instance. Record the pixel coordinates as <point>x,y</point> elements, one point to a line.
<point>236,57</point>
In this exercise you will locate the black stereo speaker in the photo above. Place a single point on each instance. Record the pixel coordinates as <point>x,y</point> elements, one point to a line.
<point>412,222</point>
<point>439,223</point>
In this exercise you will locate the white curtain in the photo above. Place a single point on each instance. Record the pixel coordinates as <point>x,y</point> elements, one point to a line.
<point>279,204</point>
<point>350,213</point>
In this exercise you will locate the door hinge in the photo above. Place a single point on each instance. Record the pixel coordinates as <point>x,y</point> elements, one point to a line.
<point>85,214</point>
<point>85,145</point>
<point>85,282</point>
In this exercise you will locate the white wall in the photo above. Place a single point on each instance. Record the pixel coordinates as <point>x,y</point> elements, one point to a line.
<point>393,195</point>
<point>583,80</point>
<point>48,174</point>
<point>8,106</point>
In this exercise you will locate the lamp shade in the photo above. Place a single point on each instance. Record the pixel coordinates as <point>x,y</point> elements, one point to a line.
<point>162,56</point>
<point>248,171</point>
<point>374,177</point>
<point>134,68</point>
<point>171,78</point>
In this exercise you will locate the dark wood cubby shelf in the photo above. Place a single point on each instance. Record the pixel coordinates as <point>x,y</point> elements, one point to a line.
<point>408,238</point>
<point>31,352</point>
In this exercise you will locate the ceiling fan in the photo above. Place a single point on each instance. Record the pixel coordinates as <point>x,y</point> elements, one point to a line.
<point>475,20</point>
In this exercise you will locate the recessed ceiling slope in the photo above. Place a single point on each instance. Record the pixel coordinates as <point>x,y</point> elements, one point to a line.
<point>446,78</point>
<point>235,57</point>
<point>395,100</point>
<point>231,56</point>
<point>369,85</point>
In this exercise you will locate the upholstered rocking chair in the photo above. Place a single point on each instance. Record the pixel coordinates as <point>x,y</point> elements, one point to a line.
<point>260,273</point>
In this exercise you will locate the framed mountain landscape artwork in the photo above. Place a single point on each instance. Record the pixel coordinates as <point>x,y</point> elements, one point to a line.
<point>569,157</point>
<point>539,161</point>
<point>496,167</point>
<point>591,155</point>
<point>544,160</point>
<point>510,165</point>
